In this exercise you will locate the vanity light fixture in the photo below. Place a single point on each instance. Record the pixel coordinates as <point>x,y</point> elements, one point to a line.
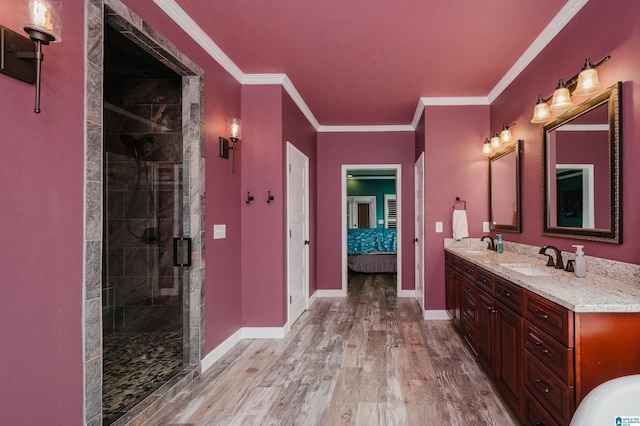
<point>585,83</point>
<point>234,131</point>
<point>20,58</point>
<point>499,141</point>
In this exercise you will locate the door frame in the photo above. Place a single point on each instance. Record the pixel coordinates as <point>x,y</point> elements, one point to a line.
<point>363,199</point>
<point>292,150</point>
<point>420,247</point>
<point>343,182</point>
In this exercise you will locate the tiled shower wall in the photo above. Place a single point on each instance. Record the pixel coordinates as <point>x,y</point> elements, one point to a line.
<point>141,291</point>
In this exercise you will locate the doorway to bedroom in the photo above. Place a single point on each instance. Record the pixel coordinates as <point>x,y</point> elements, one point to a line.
<point>371,227</point>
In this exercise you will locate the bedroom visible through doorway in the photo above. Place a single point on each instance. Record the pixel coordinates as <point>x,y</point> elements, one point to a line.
<point>371,225</point>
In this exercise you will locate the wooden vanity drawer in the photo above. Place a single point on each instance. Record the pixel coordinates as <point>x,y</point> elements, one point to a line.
<point>509,294</point>
<point>554,355</point>
<point>456,262</point>
<point>469,270</point>
<point>469,334</point>
<point>469,307</point>
<point>548,389</point>
<point>550,317</point>
<point>485,280</point>
<point>535,414</point>
<point>448,258</point>
<point>469,289</point>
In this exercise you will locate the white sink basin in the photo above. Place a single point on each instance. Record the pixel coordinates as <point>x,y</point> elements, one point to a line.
<point>474,251</point>
<point>526,269</point>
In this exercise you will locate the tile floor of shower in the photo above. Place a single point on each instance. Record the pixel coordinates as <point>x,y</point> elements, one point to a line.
<point>134,365</point>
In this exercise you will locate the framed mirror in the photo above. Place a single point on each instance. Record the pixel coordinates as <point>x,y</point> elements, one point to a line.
<point>504,190</point>
<point>582,186</point>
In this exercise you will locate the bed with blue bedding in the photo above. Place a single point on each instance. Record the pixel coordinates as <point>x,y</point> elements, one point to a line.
<point>372,250</point>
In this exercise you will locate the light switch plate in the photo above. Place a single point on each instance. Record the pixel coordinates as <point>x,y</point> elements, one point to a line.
<point>485,227</point>
<point>438,227</point>
<point>219,232</point>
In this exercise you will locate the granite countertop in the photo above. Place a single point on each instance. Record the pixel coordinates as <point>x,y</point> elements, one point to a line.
<point>593,293</point>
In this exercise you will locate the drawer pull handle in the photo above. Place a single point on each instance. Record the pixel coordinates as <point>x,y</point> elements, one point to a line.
<point>539,346</point>
<point>450,275</point>
<point>542,386</point>
<point>484,280</point>
<point>540,314</point>
<point>469,290</point>
<point>505,293</point>
<point>468,309</point>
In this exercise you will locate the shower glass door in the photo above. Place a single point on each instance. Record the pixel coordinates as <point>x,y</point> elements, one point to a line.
<point>144,308</point>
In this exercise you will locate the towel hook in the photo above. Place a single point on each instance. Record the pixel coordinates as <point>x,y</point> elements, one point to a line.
<point>458,200</point>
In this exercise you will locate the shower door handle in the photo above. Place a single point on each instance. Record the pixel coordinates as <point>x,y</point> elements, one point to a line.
<point>182,251</point>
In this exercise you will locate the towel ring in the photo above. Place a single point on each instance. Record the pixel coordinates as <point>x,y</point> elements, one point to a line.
<point>458,200</point>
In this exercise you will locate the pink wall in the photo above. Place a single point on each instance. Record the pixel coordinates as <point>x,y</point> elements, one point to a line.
<point>263,274</point>
<point>270,119</point>
<point>336,149</point>
<point>41,170</point>
<point>601,28</point>
<point>453,168</point>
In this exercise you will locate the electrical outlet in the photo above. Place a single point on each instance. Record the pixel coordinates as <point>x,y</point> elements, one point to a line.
<point>219,232</point>
<point>438,227</point>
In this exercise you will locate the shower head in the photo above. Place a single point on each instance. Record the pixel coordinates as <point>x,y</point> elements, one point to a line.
<point>136,145</point>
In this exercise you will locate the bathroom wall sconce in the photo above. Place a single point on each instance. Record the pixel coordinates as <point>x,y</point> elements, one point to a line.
<point>499,141</point>
<point>20,58</point>
<point>234,130</point>
<point>585,83</point>
<point>270,197</point>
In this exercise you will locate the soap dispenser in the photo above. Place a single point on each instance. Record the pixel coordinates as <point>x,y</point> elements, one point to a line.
<point>580,268</point>
<point>499,244</point>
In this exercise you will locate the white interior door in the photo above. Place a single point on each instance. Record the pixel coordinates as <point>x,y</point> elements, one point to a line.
<point>419,238</point>
<point>298,242</point>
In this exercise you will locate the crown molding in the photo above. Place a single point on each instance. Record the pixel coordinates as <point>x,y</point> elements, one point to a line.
<point>184,21</point>
<point>365,129</point>
<point>552,29</point>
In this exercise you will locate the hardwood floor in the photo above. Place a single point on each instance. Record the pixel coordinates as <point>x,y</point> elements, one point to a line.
<point>368,359</point>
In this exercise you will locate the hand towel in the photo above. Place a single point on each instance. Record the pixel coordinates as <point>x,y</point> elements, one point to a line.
<point>460,227</point>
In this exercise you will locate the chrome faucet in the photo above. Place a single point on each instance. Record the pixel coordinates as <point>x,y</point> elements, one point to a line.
<point>491,245</point>
<point>559,264</point>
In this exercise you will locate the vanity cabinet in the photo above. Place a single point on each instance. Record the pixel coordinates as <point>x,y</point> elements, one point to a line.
<point>543,357</point>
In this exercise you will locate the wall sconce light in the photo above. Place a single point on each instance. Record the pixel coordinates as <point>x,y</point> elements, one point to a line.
<point>585,83</point>
<point>234,131</point>
<point>20,58</point>
<point>499,141</point>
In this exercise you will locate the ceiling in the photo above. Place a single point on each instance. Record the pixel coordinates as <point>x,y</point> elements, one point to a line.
<point>369,62</point>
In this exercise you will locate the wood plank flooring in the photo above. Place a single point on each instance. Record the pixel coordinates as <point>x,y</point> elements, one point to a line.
<point>368,359</point>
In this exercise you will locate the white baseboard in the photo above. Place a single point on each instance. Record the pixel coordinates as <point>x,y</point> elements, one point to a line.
<point>243,333</point>
<point>407,293</point>
<point>224,347</point>
<point>436,315</point>
<point>265,332</point>
<point>312,299</point>
<point>330,293</point>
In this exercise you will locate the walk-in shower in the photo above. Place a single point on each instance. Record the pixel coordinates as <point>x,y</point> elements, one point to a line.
<point>144,308</point>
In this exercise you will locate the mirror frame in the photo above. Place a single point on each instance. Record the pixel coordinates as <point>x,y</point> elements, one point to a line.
<point>503,227</point>
<point>613,235</point>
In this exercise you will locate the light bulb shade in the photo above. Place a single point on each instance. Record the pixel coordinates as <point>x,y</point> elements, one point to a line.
<point>505,136</point>
<point>43,17</point>
<point>486,148</point>
<point>588,82</point>
<point>235,129</point>
<point>495,141</point>
<point>561,100</point>
<point>541,113</point>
